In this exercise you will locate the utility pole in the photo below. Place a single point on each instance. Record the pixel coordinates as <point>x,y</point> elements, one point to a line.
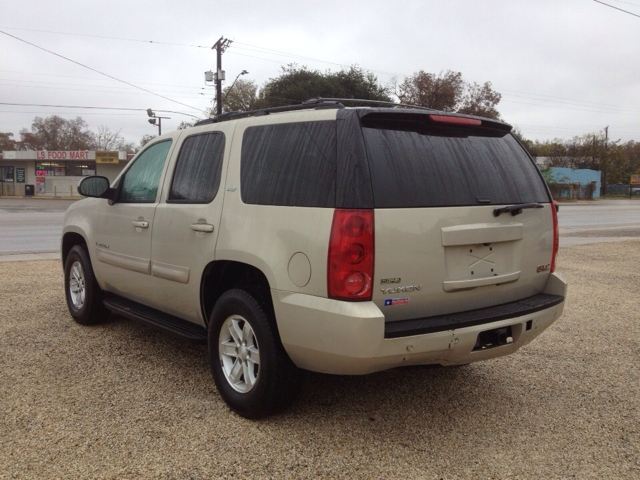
<point>221,45</point>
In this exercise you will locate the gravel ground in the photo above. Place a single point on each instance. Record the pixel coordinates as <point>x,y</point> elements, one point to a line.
<point>124,401</point>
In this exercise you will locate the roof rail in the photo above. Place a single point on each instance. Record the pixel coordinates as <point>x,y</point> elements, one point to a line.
<point>371,102</point>
<point>313,103</point>
<point>308,105</point>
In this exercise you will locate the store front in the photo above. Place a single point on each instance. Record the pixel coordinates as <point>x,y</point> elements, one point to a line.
<point>55,173</point>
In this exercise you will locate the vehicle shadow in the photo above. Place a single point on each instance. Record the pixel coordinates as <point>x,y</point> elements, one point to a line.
<point>388,404</point>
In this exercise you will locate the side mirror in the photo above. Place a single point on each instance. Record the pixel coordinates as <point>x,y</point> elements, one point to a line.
<point>96,186</point>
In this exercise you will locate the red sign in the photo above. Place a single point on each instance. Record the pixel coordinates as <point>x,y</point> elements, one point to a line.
<point>63,155</point>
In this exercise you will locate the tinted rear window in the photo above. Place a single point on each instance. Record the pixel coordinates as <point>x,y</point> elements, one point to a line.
<point>417,164</point>
<point>198,170</point>
<point>291,164</point>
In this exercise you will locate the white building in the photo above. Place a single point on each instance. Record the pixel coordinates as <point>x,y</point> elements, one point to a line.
<point>55,173</point>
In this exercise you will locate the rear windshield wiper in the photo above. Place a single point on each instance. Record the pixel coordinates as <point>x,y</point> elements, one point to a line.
<point>516,209</point>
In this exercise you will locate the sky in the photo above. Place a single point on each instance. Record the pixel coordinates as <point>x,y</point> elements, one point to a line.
<point>563,67</point>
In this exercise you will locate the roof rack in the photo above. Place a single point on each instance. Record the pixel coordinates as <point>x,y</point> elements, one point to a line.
<point>313,103</point>
<point>308,105</point>
<point>371,102</point>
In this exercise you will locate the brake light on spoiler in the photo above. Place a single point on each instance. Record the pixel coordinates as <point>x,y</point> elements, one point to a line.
<point>455,120</point>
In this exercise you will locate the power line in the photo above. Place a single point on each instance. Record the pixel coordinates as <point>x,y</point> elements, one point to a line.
<point>97,71</point>
<point>72,113</point>
<point>189,90</point>
<point>92,108</point>
<point>570,108</point>
<point>625,11</point>
<point>270,51</point>
<point>206,87</point>
<point>192,95</point>
<point>564,98</point>
<point>106,37</point>
<point>601,109</point>
<point>628,3</point>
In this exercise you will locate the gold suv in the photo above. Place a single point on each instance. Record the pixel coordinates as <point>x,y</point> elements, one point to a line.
<point>324,238</point>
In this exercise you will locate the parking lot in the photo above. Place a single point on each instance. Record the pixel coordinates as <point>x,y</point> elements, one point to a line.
<point>124,401</point>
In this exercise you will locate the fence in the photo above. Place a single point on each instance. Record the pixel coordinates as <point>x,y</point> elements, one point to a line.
<point>623,190</point>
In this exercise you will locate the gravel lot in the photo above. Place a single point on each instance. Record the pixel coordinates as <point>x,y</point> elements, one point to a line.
<point>124,401</point>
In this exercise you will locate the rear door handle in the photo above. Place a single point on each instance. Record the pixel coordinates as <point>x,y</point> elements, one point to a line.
<point>202,227</point>
<point>140,224</point>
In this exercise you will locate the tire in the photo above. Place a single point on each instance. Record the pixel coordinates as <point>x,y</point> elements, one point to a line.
<point>84,297</point>
<point>250,367</point>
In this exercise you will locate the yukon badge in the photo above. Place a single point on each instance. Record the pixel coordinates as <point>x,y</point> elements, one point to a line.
<point>407,289</point>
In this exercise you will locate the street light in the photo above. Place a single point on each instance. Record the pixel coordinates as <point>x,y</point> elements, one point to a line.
<point>155,117</point>
<point>243,72</point>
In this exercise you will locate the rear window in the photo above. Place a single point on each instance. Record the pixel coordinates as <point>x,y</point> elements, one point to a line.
<point>419,164</point>
<point>290,164</point>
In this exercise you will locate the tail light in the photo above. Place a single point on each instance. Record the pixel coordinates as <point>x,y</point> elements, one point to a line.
<point>350,262</point>
<point>556,234</point>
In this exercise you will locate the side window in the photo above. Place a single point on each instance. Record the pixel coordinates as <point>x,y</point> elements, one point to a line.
<point>291,164</point>
<point>140,182</point>
<point>198,169</point>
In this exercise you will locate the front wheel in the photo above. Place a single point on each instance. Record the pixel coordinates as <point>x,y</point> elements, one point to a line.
<point>84,297</point>
<point>253,373</point>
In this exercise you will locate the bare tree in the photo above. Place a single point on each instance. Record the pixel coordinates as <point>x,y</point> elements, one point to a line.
<point>106,139</point>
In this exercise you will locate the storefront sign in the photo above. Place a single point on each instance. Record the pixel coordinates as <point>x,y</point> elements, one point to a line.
<point>62,155</point>
<point>20,175</point>
<point>107,156</point>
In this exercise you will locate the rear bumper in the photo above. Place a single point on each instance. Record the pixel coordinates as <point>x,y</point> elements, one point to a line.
<point>345,338</point>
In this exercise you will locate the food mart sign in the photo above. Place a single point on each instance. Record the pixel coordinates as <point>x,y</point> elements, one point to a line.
<point>62,155</point>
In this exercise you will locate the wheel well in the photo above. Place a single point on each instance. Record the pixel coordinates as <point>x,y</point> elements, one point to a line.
<point>69,241</point>
<point>223,275</point>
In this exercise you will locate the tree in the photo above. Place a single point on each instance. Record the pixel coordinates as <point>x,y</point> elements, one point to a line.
<point>241,98</point>
<point>144,140</point>
<point>7,142</point>
<point>56,133</point>
<point>480,100</point>
<point>184,125</point>
<point>298,84</point>
<point>447,91</point>
<point>105,139</point>
<point>441,92</point>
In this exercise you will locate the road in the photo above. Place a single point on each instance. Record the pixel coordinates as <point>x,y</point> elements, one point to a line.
<point>29,226</point>
<point>599,221</point>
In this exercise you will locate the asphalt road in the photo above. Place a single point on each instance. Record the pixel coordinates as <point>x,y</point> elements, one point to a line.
<point>598,222</point>
<point>30,226</point>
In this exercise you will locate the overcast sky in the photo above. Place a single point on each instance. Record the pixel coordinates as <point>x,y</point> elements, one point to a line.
<point>563,67</point>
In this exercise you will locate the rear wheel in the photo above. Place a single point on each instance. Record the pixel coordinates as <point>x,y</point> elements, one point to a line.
<point>253,373</point>
<point>84,297</point>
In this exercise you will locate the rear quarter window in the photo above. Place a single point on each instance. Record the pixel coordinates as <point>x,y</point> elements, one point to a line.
<point>290,164</point>
<point>198,169</point>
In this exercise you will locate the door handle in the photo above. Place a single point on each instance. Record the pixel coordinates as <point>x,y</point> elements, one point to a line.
<point>140,224</point>
<point>202,227</point>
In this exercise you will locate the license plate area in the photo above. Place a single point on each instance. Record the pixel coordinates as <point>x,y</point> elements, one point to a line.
<point>493,338</point>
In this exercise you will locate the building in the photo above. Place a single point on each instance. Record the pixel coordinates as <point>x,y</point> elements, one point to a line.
<point>55,173</point>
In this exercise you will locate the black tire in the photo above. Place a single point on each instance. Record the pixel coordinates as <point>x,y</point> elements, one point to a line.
<point>90,310</point>
<point>276,378</point>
